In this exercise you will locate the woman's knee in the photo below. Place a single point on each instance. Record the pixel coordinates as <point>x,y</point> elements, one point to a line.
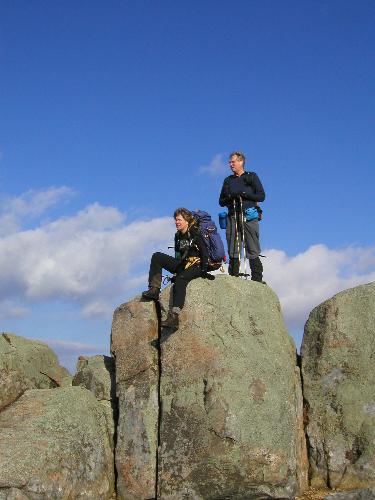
<point>156,256</point>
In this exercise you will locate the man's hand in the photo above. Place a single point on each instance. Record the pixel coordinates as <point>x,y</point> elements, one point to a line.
<point>238,195</point>
<point>235,196</point>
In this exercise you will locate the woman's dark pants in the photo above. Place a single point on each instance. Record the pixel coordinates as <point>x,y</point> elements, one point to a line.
<point>160,261</point>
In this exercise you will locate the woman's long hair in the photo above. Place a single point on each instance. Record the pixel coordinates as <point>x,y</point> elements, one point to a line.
<point>186,214</point>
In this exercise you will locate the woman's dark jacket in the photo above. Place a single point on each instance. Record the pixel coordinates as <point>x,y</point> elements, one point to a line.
<point>191,244</point>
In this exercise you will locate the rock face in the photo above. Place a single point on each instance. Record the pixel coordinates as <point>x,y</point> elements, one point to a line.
<point>216,411</point>
<point>27,364</point>
<point>97,374</point>
<point>338,353</point>
<point>55,444</point>
<point>134,328</point>
<point>212,411</point>
<point>359,494</point>
<point>231,405</point>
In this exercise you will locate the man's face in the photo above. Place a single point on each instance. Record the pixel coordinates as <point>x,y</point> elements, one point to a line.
<point>236,165</point>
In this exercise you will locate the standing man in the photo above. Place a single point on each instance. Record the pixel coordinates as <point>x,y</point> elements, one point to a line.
<point>242,190</point>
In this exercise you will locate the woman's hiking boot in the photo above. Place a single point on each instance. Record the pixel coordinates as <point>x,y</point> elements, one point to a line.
<point>151,294</point>
<point>171,321</point>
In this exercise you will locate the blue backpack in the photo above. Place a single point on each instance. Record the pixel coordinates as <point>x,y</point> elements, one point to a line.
<point>214,243</point>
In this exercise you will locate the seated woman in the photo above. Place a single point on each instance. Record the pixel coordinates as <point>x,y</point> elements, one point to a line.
<point>191,262</point>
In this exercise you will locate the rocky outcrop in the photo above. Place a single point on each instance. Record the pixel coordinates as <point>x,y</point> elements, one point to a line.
<point>358,494</point>
<point>338,353</point>
<point>97,374</point>
<point>27,364</point>
<point>216,411</point>
<point>231,405</point>
<point>211,411</point>
<point>55,444</point>
<point>134,333</point>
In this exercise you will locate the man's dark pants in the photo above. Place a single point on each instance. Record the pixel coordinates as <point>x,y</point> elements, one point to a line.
<point>236,230</point>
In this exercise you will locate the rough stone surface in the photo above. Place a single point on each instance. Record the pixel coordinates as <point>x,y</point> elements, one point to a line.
<point>231,404</point>
<point>55,444</point>
<point>134,328</point>
<point>12,494</point>
<point>358,494</point>
<point>338,353</point>
<point>97,374</point>
<point>27,364</point>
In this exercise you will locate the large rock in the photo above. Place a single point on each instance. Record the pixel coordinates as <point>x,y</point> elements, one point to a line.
<point>134,329</point>
<point>55,444</point>
<point>97,374</point>
<point>216,410</point>
<point>27,364</point>
<point>231,405</point>
<point>338,353</point>
<point>358,494</point>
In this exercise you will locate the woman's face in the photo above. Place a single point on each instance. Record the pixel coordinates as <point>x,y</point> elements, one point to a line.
<point>181,224</point>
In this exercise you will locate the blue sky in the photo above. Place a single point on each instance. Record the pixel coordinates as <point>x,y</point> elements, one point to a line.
<point>114,113</point>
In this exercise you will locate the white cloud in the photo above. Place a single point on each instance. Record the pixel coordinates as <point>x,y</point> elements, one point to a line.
<point>216,167</point>
<point>97,308</point>
<point>32,204</point>
<point>307,279</point>
<point>91,259</point>
<point>70,347</point>
<point>9,309</point>
<point>9,223</point>
<point>68,352</point>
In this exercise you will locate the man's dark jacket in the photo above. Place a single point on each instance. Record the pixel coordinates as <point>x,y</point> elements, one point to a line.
<point>247,185</point>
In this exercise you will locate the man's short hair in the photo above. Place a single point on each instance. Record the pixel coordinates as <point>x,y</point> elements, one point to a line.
<point>239,155</point>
